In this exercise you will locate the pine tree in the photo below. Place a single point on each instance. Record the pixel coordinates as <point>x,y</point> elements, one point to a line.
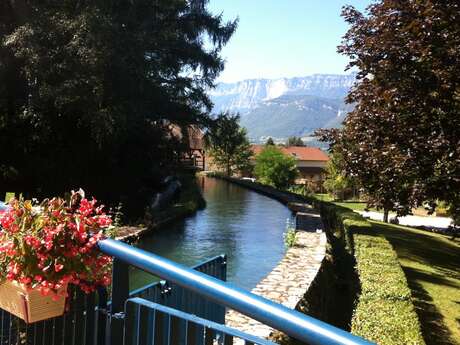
<point>87,88</point>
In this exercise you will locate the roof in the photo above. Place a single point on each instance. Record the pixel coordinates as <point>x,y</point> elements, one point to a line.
<point>194,135</point>
<point>302,153</point>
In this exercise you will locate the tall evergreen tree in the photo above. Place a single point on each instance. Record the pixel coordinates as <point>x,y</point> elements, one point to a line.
<point>295,141</point>
<point>228,144</point>
<point>270,141</point>
<point>88,90</point>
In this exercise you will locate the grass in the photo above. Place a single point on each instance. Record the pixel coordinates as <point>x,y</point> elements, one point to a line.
<point>323,197</point>
<point>430,262</point>
<point>351,204</point>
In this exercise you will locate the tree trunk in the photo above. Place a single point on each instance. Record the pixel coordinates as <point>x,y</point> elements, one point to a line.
<point>385,214</point>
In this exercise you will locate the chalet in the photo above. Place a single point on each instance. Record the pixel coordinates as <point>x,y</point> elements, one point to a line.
<point>193,139</point>
<point>311,162</point>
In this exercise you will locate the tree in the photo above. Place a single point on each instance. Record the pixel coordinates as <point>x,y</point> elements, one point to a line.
<point>402,140</point>
<point>270,141</point>
<point>378,166</point>
<point>86,87</point>
<point>336,182</point>
<point>275,168</point>
<point>295,141</point>
<point>228,144</point>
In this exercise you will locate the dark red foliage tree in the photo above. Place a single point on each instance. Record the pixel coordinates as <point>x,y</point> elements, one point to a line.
<point>402,140</point>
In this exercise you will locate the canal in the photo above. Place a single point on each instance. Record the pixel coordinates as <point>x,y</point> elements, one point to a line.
<point>246,226</point>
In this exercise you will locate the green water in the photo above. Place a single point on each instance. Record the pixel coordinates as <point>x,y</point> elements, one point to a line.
<point>246,226</point>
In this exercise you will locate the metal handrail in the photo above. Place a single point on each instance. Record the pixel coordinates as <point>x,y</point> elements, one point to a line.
<point>291,322</point>
<point>199,321</point>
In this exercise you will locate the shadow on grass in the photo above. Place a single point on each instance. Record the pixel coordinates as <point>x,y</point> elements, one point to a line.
<point>433,328</point>
<point>436,253</point>
<point>415,245</point>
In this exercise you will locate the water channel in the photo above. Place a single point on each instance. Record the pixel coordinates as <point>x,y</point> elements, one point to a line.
<point>246,226</point>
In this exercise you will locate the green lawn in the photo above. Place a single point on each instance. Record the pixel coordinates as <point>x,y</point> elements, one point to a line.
<point>351,204</point>
<point>431,263</point>
<point>323,197</point>
<point>354,205</point>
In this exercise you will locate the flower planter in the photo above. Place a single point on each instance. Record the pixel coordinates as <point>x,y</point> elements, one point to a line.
<point>29,305</point>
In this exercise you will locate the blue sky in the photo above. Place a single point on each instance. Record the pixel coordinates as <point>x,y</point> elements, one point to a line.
<point>283,38</point>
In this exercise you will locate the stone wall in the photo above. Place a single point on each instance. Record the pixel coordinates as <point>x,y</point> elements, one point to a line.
<point>290,280</point>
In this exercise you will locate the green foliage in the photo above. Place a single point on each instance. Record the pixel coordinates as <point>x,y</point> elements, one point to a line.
<point>384,312</point>
<point>295,141</point>
<point>402,140</point>
<point>117,215</point>
<point>289,237</point>
<point>429,261</point>
<point>275,168</point>
<point>270,142</point>
<point>336,182</point>
<point>88,90</point>
<point>9,196</point>
<point>228,144</point>
<point>300,190</point>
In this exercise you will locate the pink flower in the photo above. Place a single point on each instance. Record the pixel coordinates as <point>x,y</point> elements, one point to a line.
<point>104,220</point>
<point>58,239</point>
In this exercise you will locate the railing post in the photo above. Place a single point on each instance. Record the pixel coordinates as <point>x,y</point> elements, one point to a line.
<point>101,320</point>
<point>120,293</point>
<point>293,323</point>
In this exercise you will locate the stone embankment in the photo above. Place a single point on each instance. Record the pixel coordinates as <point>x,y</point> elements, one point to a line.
<point>292,277</point>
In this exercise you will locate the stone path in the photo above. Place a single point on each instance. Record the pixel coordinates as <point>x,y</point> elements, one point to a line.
<point>428,221</point>
<point>289,281</point>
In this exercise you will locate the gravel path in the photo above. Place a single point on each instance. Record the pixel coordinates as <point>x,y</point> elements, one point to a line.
<point>435,222</point>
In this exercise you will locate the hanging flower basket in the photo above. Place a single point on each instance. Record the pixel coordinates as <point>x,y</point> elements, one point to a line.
<point>44,248</point>
<point>30,304</point>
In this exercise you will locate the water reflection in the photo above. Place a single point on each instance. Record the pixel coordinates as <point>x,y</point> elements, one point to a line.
<point>242,224</point>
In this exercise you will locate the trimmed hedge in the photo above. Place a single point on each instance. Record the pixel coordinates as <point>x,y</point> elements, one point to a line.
<point>384,312</point>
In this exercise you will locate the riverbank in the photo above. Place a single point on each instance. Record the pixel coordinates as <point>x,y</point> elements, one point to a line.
<point>288,282</point>
<point>284,197</point>
<point>291,282</point>
<point>190,201</point>
<point>238,222</point>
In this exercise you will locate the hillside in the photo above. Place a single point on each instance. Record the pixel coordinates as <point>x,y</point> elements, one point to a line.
<point>287,106</point>
<point>293,115</point>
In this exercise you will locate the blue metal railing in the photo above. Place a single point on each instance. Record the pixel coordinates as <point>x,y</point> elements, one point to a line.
<point>83,324</point>
<point>89,318</point>
<point>293,323</point>
<point>181,328</point>
<point>175,296</point>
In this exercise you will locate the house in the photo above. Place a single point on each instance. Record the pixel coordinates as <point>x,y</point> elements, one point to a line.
<point>311,163</point>
<point>193,138</point>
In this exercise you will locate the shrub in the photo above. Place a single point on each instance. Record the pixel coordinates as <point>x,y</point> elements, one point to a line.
<point>384,311</point>
<point>289,237</point>
<point>275,168</point>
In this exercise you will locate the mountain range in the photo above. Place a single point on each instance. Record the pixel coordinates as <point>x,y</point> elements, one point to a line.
<point>285,107</point>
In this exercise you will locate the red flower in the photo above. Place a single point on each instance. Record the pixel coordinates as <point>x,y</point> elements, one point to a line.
<point>55,238</point>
